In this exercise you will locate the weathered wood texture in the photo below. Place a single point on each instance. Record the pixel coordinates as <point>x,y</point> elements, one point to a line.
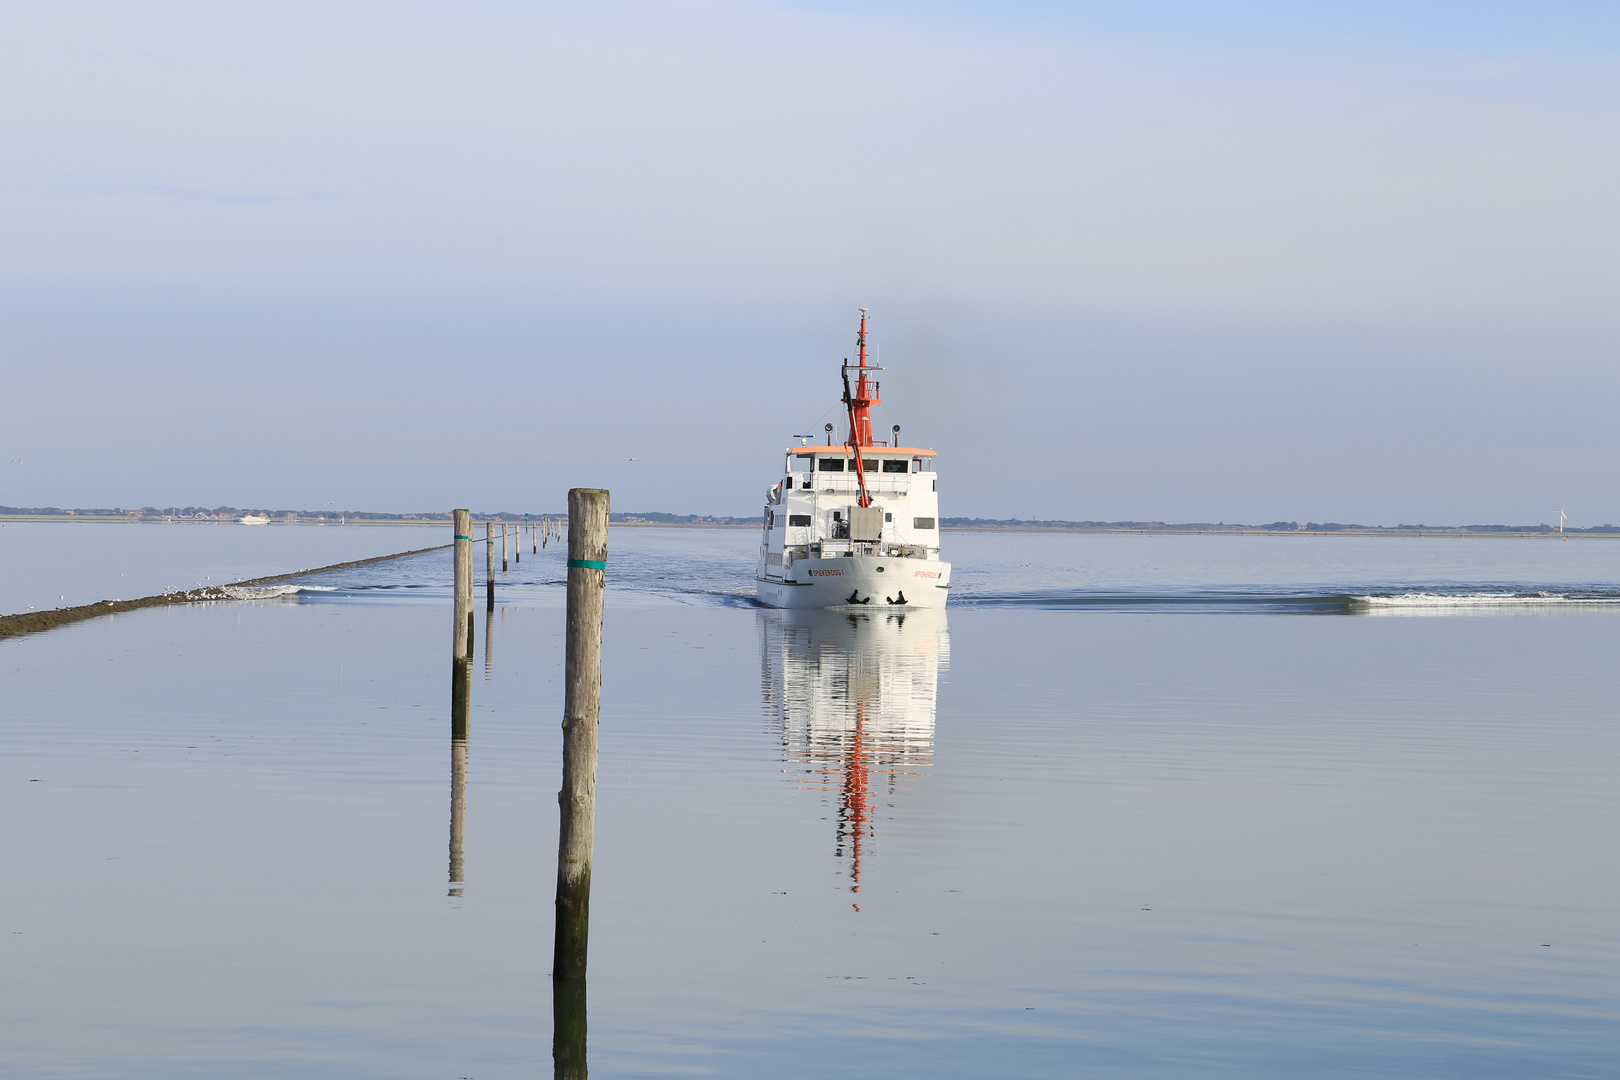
<point>489,565</point>
<point>582,697</point>
<point>461,620</point>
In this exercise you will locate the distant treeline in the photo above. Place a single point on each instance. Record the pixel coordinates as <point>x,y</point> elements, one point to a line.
<point>216,513</point>
<point>680,519</point>
<point>231,513</point>
<point>1274,526</point>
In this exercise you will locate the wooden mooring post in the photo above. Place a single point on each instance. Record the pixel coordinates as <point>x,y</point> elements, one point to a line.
<point>461,647</point>
<point>503,547</point>
<point>582,699</point>
<point>489,565</point>
<point>460,687</point>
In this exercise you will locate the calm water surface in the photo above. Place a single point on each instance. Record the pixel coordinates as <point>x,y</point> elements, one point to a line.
<point>1036,836</point>
<point>56,564</point>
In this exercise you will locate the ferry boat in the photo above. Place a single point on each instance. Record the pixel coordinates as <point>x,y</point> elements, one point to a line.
<point>253,519</point>
<point>856,524</point>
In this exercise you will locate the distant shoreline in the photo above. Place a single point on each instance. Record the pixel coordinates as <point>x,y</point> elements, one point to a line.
<point>948,525</point>
<point>1474,532</point>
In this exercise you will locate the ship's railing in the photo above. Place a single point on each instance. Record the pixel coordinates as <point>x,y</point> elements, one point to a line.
<point>844,484</point>
<point>835,549</point>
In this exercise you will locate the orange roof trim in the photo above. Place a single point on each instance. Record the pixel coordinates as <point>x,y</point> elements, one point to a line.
<point>835,449</point>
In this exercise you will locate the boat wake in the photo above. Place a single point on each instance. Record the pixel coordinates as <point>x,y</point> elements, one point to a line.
<point>702,576</point>
<point>1419,602</point>
<point>1447,599</point>
<point>269,592</point>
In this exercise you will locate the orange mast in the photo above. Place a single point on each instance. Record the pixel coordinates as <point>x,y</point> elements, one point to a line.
<point>860,405</point>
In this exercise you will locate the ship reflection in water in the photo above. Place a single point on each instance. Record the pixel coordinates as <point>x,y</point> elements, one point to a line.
<point>853,695</point>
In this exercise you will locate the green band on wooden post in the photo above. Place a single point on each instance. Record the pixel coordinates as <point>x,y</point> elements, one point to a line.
<point>587,564</point>
<point>460,537</point>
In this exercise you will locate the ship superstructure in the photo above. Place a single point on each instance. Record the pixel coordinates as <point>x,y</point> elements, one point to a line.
<point>855,523</point>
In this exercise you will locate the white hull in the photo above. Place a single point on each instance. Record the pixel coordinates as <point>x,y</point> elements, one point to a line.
<point>876,579</point>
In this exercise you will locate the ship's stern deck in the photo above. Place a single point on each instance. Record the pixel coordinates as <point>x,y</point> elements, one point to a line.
<point>880,581</point>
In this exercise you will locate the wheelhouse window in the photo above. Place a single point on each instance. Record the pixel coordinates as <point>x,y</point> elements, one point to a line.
<point>832,464</point>
<point>922,523</point>
<point>896,465</point>
<point>798,519</point>
<point>803,462</point>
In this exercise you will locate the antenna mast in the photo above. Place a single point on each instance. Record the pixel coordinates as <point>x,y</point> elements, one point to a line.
<point>859,403</point>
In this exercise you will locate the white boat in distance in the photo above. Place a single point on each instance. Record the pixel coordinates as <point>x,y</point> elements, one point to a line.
<point>855,524</point>
<point>253,519</point>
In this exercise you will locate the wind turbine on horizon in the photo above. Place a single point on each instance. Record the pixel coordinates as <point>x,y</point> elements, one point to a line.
<point>1561,517</point>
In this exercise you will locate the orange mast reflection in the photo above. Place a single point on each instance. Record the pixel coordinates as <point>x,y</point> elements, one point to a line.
<point>854,694</point>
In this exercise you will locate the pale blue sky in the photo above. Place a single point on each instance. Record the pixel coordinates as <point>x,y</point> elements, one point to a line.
<point>1180,261</point>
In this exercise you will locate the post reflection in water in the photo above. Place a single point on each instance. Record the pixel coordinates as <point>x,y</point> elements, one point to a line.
<point>460,689</point>
<point>568,1011</point>
<point>489,645</point>
<point>855,695</point>
<point>568,1029</point>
